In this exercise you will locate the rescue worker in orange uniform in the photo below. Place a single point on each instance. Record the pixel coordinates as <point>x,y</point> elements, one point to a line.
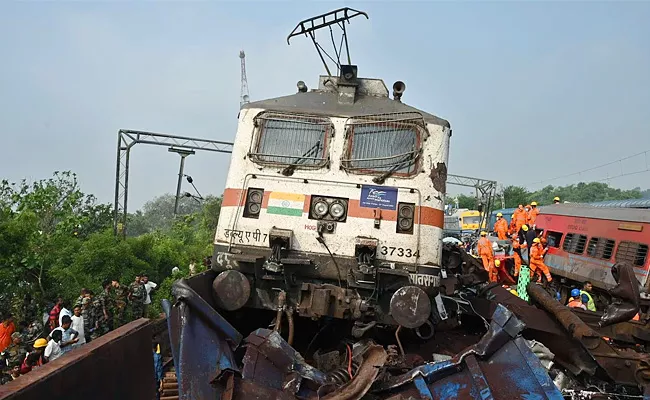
<point>501,227</point>
<point>512,229</point>
<point>516,249</point>
<point>494,272</point>
<point>532,214</point>
<point>485,251</point>
<point>536,256</point>
<point>520,217</point>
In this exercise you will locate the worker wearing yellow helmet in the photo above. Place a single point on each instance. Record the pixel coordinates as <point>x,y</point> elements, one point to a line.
<point>39,347</point>
<point>556,200</point>
<point>537,265</point>
<point>501,227</point>
<point>532,214</point>
<point>485,251</point>
<point>494,271</point>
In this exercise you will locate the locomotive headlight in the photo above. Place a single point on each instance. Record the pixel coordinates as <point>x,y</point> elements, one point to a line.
<point>320,208</point>
<point>405,216</point>
<point>253,205</point>
<point>337,210</point>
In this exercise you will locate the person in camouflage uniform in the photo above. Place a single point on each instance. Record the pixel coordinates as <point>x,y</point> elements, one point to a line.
<point>120,297</point>
<point>79,301</point>
<point>16,352</point>
<point>89,317</point>
<point>137,294</point>
<point>103,311</point>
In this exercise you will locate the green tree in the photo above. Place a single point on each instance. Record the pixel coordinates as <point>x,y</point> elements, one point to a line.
<point>42,226</point>
<point>515,195</point>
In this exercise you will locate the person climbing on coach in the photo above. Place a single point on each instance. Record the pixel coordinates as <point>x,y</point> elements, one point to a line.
<point>485,251</point>
<point>501,227</point>
<point>532,214</point>
<point>536,258</point>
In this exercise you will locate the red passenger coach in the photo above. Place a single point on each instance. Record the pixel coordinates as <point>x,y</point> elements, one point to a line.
<point>584,242</point>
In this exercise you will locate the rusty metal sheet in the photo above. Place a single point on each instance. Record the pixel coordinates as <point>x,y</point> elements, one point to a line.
<point>118,365</point>
<point>202,341</point>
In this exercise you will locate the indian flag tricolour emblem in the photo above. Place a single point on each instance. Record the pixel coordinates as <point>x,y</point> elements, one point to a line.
<point>286,204</point>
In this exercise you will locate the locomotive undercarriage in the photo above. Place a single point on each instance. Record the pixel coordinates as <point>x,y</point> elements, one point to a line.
<point>317,285</point>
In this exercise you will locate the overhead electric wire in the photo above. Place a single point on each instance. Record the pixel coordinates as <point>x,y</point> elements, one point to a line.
<point>600,166</point>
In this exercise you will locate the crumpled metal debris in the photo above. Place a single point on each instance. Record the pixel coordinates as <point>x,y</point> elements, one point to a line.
<point>626,296</point>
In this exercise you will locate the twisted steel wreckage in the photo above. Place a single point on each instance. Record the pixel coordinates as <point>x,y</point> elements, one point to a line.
<point>330,279</point>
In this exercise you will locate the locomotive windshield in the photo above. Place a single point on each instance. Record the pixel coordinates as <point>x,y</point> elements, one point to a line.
<point>389,147</point>
<point>292,140</point>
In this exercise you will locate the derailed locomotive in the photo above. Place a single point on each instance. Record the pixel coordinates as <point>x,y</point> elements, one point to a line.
<point>333,203</point>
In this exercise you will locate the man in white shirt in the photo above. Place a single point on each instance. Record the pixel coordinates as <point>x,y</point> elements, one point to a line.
<point>53,350</point>
<point>64,311</point>
<point>78,325</point>
<point>148,287</point>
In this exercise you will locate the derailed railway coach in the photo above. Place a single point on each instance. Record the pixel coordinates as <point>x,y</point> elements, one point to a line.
<point>335,198</point>
<point>584,242</point>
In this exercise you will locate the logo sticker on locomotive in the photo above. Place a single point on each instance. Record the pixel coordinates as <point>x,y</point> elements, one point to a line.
<point>286,204</point>
<point>378,197</point>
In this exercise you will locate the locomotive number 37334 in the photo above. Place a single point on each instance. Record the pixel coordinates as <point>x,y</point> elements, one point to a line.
<point>399,252</point>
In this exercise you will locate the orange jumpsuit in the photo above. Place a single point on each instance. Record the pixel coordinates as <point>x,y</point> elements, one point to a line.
<point>512,229</point>
<point>532,216</point>
<point>501,228</point>
<point>486,253</point>
<point>517,246</point>
<point>520,219</point>
<point>536,256</point>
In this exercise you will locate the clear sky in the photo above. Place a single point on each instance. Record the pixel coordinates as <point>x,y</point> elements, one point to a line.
<point>533,90</point>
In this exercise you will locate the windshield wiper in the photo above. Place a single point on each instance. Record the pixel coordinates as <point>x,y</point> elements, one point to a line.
<point>409,158</point>
<point>289,169</point>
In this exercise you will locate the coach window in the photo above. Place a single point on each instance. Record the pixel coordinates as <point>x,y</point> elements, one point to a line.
<point>601,248</point>
<point>293,140</point>
<point>632,252</point>
<point>387,144</point>
<point>554,238</point>
<point>574,243</point>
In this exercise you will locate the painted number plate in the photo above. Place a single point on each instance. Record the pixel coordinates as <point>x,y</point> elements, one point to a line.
<point>399,252</point>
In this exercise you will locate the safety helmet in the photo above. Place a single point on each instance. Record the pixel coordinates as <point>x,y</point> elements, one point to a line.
<point>497,262</point>
<point>483,233</point>
<point>512,216</point>
<point>524,228</point>
<point>536,240</point>
<point>499,215</point>
<point>556,198</point>
<point>575,292</point>
<point>534,203</point>
<point>40,343</point>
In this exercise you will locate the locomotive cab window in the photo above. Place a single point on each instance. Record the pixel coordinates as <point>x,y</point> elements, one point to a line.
<point>386,144</point>
<point>601,248</point>
<point>574,243</point>
<point>632,252</point>
<point>285,139</point>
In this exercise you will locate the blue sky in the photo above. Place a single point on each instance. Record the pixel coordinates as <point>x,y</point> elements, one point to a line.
<point>533,90</point>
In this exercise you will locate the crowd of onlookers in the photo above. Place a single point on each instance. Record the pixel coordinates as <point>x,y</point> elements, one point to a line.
<point>36,339</point>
